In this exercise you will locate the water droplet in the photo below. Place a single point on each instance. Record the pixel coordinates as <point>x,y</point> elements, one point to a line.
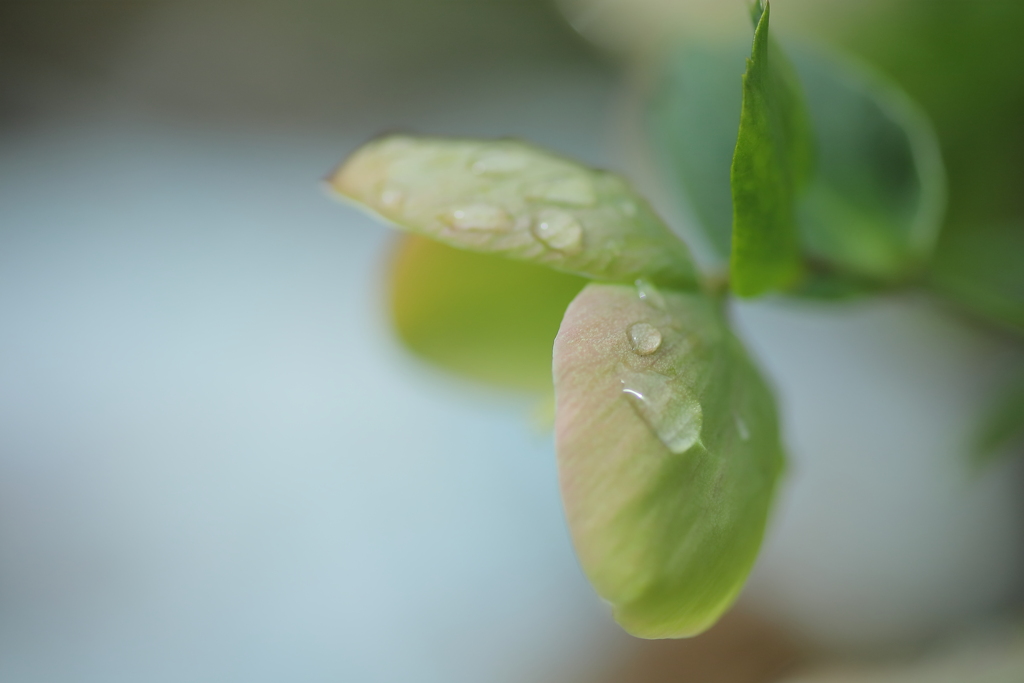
<point>674,416</point>
<point>628,208</point>
<point>741,428</point>
<point>497,162</point>
<point>479,217</point>
<point>650,295</point>
<point>574,190</point>
<point>559,230</point>
<point>392,198</point>
<point>644,338</point>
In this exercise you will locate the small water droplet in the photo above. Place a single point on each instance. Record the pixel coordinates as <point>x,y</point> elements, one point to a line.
<point>479,217</point>
<point>675,417</point>
<point>392,197</point>
<point>574,190</point>
<point>559,230</point>
<point>741,428</point>
<point>628,208</point>
<point>644,338</point>
<point>496,162</point>
<point>650,295</point>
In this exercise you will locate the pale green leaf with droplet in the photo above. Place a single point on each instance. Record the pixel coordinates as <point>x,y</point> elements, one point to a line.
<point>482,317</point>
<point>668,452</point>
<point>771,164</point>
<point>511,199</point>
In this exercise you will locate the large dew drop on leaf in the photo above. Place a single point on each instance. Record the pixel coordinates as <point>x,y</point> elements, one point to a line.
<point>510,199</point>
<point>668,451</point>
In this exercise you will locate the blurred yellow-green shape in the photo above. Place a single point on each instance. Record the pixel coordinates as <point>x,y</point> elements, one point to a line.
<point>482,317</point>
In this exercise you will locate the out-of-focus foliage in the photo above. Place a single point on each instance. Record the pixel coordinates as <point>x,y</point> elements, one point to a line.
<point>981,265</point>
<point>874,204</point>
<point>692,119</point>
<point>960,60</point>
<point>771,164</point>
<point>668,452</point>
<point>1004,426</point>
<point>511,199</point>
<point>487,318</point>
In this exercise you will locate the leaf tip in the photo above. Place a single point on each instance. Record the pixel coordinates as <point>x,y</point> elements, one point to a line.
<point>759,9</point>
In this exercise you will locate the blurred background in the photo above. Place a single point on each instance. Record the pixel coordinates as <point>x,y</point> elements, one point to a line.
<point>218,464</point>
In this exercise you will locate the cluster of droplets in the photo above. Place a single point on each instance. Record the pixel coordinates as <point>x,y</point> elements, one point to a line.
<point>558,229</point>
<point>660,400</point>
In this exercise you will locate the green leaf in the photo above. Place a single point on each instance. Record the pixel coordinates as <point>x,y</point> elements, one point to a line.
<point>1003,427</point>
<point>511,199</point>
<point>874,203</point>
<point>668,452</point>
<point>482,317</point>
<point>772,162</point>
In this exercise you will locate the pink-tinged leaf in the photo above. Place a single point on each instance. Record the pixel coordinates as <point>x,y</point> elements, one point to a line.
<point>668,452</point>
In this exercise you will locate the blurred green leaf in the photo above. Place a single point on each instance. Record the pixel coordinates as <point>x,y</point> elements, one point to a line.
<point>511,199</point>
<point>877,198</point>
<point>1003,427</point>
<point>692,118</point>
<point>668,451</point>
<point>961,62</point>
<point>482,317</point>
<point>825,284</point>
<point>773,159</point>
